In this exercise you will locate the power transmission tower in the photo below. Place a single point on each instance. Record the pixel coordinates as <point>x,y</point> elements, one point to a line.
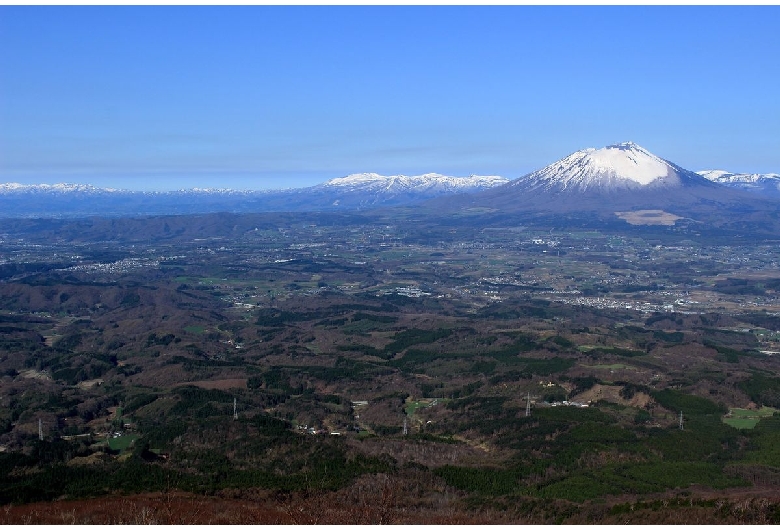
<point>235,411</point>
<point>681,421</point>
<point>528,405</point>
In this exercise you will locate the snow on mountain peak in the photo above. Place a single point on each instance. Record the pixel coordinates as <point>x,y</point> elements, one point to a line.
<point>619,166</point>
<point>627,161</point>
<point>714,174</point>
<point>355,178</point>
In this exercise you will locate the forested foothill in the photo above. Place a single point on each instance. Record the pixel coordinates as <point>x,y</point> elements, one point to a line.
<point>387,368</point>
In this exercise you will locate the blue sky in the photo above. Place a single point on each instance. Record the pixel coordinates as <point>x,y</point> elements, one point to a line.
<point>149,97</point>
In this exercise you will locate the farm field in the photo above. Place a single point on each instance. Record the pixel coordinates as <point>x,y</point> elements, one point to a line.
<point>746,418</point>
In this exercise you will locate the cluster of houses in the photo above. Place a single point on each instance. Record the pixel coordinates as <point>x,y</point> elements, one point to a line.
<point>566,404</point>
<point>411,292</point>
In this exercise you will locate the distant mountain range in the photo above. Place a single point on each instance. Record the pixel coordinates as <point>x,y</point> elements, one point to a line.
<point>617,177</point>
<point>766,183</point>
<point>353,192</point>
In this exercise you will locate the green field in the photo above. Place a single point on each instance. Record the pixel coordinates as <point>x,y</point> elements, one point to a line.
<point>747,419</point>
<point>122,443</point>
<point>411,406</point>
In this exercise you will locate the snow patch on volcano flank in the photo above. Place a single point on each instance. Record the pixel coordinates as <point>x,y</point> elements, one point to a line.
<point>620,166</point>
<point>628,161</point>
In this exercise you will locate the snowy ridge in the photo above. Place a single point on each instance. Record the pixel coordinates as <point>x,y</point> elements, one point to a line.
<point>88,189</point>
<point>622,166</point>
<point>354,192</point>
<point>217,191</point>
<point>745,181</point>
<point>359,182</point>
<point>15,187</point>
<point>374,182</point>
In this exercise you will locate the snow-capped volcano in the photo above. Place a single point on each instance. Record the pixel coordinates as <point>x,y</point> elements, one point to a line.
<point>768,183</point>
<point>616,178</point>
<point>624,166</point>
